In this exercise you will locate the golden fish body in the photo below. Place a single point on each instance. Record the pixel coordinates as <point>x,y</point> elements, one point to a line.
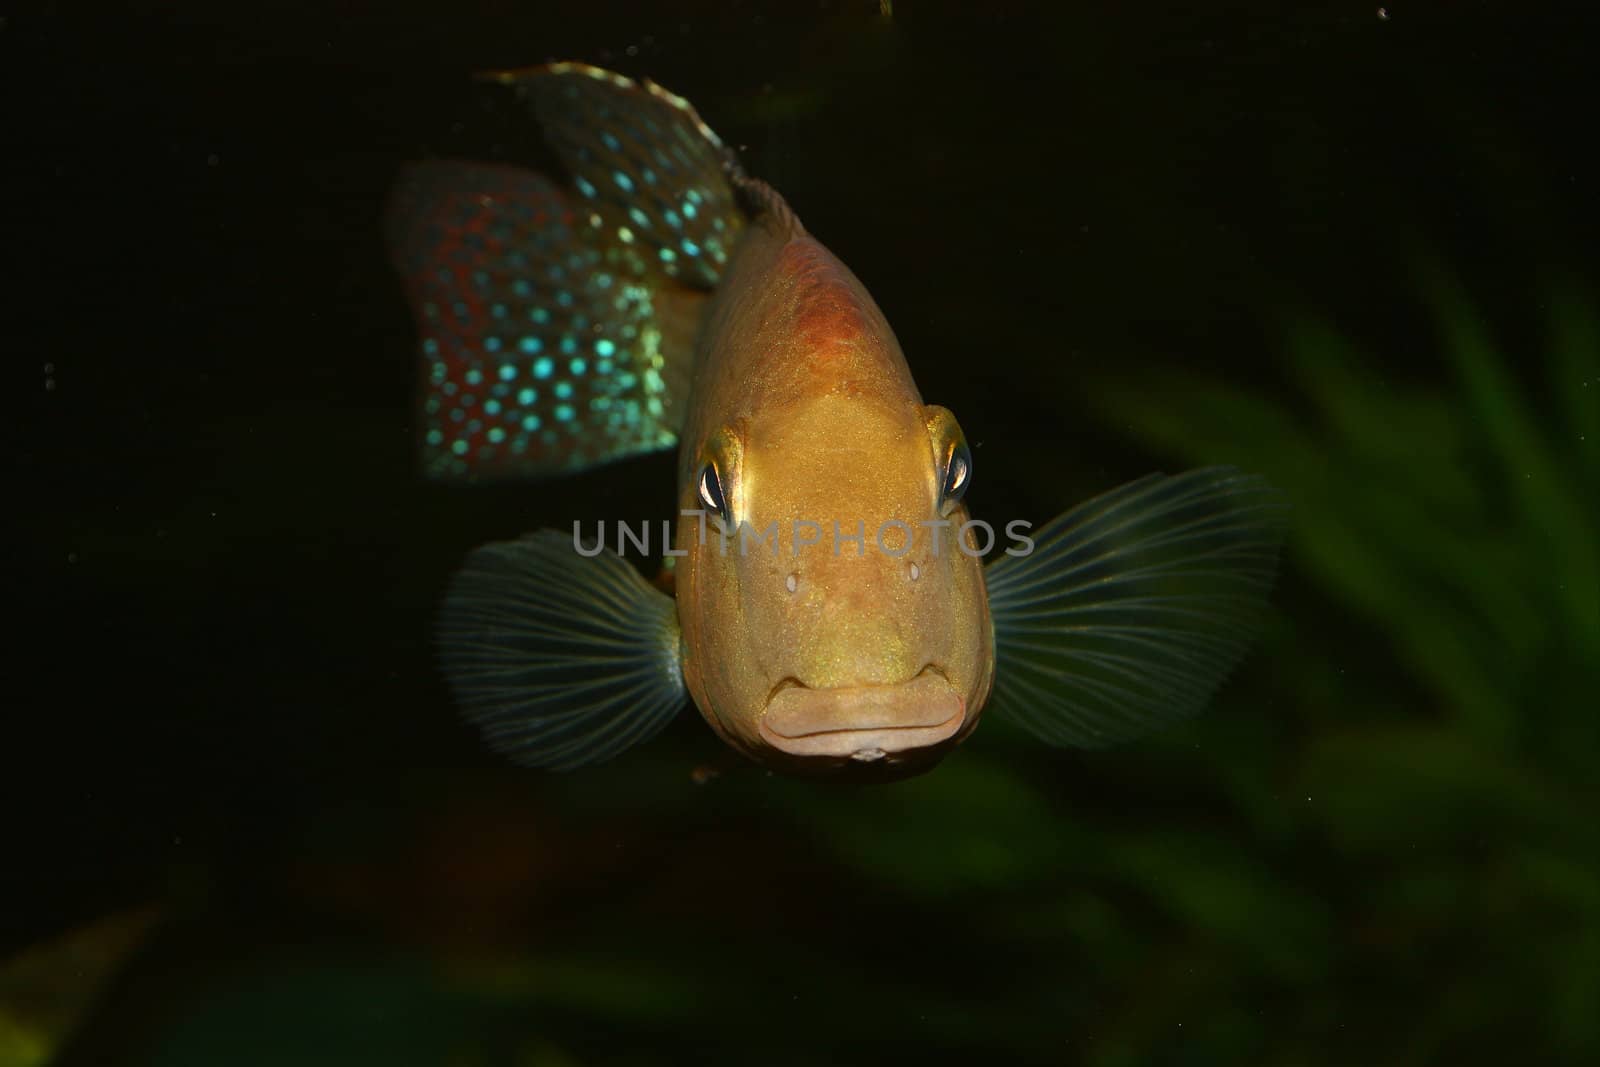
<point>869,642</point>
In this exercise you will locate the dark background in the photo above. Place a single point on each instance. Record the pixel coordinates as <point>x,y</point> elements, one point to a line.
<point>1353,250</point>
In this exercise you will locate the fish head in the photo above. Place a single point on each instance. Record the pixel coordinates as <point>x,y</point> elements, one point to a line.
<point>832,605</point>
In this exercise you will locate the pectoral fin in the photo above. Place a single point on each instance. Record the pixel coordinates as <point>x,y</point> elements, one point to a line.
<point>1134,606</point>
<point>561,660</point>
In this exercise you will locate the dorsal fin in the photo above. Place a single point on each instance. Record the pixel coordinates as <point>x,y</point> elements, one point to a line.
<point>644,159</point>
<point>766,204</point>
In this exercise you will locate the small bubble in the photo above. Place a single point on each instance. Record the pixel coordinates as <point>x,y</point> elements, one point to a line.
<point>72,557</point>
<point>213,159</point>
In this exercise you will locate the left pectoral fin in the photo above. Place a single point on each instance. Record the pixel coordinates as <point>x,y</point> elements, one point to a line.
<point>1134,606</point>
<point>561,660</point>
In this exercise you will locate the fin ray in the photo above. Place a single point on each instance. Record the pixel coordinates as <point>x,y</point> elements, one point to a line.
<point>560,660</point>
<point>1133,606</point>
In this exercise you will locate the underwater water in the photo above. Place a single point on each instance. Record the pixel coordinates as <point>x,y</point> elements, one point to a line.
<point>1350,248</point>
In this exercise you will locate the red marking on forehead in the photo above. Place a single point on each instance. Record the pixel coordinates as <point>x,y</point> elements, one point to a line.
<point>828,307</point>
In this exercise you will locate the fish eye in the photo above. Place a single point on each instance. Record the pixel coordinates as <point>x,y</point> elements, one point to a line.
<point>709,487</point>
<point>957,476</point>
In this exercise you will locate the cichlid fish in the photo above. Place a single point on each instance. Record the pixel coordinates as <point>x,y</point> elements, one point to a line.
<point>832,610</point>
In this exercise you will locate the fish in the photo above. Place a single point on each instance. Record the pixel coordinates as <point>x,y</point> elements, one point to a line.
<point>828,603</point>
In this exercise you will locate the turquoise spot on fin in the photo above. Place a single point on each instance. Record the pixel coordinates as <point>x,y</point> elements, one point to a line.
<point>604,126</point>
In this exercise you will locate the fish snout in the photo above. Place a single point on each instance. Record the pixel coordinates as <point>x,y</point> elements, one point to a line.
<point>865,723</point>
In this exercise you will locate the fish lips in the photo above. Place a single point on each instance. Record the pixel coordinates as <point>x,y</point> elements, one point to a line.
<point>864,724</point>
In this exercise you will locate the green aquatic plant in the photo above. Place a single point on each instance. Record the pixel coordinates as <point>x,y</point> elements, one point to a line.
<point>1459,521</point>
<point>1446,656</point>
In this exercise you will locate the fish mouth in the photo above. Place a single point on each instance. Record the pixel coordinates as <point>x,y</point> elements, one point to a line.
<point>865,723</point>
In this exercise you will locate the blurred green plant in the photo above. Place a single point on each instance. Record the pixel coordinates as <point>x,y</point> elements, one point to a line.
<point>1458,525</point>
<point>1458,522</point>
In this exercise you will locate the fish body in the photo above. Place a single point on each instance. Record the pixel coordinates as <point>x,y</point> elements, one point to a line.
<point>804,406</point>
<point>832,610</point>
